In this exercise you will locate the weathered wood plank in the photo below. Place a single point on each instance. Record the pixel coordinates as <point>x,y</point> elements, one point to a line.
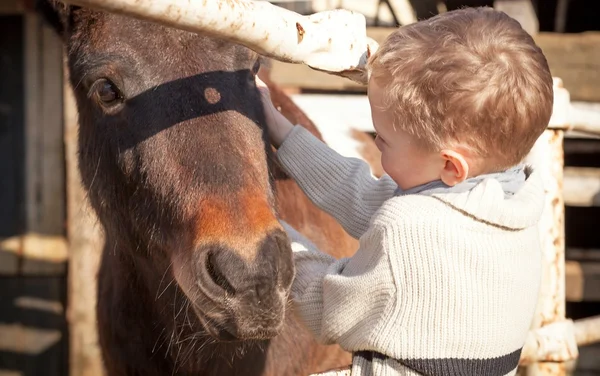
<point>522,11</point>
<point>52,152</point>
<point>12,7</point>
<point>9,264</point>
<point>582,281</point>
<point>85,244</point>
<point>585,117</point>
<point>33,326</point>
<point>22,339</point>
<point>33,131</point>
<point>370,9</point>
<point>44,152</point>
<point>583,254</point>
<point>575,58</point>
<point>547,157</point>
<point>581,186</point>
<point>34,254</point>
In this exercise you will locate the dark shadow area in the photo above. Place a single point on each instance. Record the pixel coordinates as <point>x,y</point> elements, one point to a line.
<point>588,363</point>
<point>458,4</point>
<point>424,9</point>
<point>581,239</point>
<point>546,12</point>
<point>582,152</point>
<point>33,328</point>
<point>582,15</point>
<point>581,227</point>
<point>12,134</point>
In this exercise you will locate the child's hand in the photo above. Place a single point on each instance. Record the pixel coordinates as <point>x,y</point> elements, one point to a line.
<point>278,126</point>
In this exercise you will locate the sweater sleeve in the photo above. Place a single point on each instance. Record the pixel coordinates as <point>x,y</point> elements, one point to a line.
<point>343,187</point>
<point>341,300</point>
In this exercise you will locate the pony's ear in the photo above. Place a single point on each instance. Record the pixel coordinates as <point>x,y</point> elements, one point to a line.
<point>57,14</point>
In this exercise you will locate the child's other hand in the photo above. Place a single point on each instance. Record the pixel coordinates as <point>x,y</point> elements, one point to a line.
<point>278,126</point>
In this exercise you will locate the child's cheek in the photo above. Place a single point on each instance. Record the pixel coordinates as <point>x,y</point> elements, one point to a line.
<point>386,163</point>
<point>379,144</point>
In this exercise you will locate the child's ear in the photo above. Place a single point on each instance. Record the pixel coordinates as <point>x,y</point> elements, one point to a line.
<point>456,168</point>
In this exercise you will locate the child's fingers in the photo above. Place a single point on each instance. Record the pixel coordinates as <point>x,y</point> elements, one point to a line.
<point>260,84</point>
<point>263,89</point>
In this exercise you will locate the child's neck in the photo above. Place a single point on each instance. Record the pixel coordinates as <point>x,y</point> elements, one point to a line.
<point>511,180</point>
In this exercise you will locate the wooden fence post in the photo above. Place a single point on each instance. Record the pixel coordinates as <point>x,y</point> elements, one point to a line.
<point>85,245</point>
<point>548,158</point>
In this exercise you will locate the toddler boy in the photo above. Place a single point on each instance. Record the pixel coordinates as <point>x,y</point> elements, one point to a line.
<point>446,278</point>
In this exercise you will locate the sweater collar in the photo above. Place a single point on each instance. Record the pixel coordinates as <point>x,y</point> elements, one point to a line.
<point>513,199</point>
<point>511,181</point>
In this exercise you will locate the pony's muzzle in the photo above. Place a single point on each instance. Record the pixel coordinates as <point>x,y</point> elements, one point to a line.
<point>253,291</point>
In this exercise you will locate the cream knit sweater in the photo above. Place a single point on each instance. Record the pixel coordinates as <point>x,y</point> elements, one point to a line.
<point>443,283</point>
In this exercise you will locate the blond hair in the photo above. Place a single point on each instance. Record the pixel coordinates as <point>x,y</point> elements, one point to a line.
<point>472,76</point>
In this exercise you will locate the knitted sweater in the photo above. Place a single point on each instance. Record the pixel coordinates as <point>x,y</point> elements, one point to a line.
<point>443,283</point>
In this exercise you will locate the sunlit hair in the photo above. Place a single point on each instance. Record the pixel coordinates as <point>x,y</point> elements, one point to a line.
<point>471,76</point>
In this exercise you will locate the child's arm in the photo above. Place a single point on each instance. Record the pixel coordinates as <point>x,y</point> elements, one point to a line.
<point>343,187</point>
<point>338,298</point>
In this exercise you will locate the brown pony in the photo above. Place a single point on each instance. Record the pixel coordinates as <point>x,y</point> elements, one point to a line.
<point>196,269</point>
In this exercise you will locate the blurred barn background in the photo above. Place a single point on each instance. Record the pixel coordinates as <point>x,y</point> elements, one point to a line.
<point>49,241</point>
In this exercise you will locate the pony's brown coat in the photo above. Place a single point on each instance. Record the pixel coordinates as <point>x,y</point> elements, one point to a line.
<point>184,169</point>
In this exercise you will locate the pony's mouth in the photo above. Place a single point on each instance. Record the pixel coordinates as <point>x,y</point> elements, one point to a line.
<point>220,328</point>
<point>225,329</point>
<point>227,314</point>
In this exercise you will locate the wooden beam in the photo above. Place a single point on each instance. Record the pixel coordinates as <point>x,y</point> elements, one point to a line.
<point>582,186</point>
<point>12,7</point>
<point>31,341</point>
<point>522,11</point>
<point>51,153</point>
<point>584,118</point>
<point>583,254</point>
<point>401,11</point>
<point>33,333</point>
<point>575,58</point>
<point>547,157</point>
<point>33,254</point>
<point>85,247</point>
<point>9,264</point>
<point>44,154</point>
<point>582,279</point>
<point>560,20</point>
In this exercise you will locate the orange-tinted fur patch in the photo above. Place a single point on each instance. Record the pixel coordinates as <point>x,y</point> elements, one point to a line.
<point>240,223</point>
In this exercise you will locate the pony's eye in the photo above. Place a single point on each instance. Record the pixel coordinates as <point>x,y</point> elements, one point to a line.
<point>256,67</point>
<point>106,92</point>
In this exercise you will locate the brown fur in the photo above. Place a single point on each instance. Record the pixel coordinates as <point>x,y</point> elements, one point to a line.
<point>195,272</point>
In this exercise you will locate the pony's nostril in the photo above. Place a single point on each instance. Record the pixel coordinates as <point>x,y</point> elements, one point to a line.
<point>285,268</point>
<point>212,268</point>
<point>262,290</point>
